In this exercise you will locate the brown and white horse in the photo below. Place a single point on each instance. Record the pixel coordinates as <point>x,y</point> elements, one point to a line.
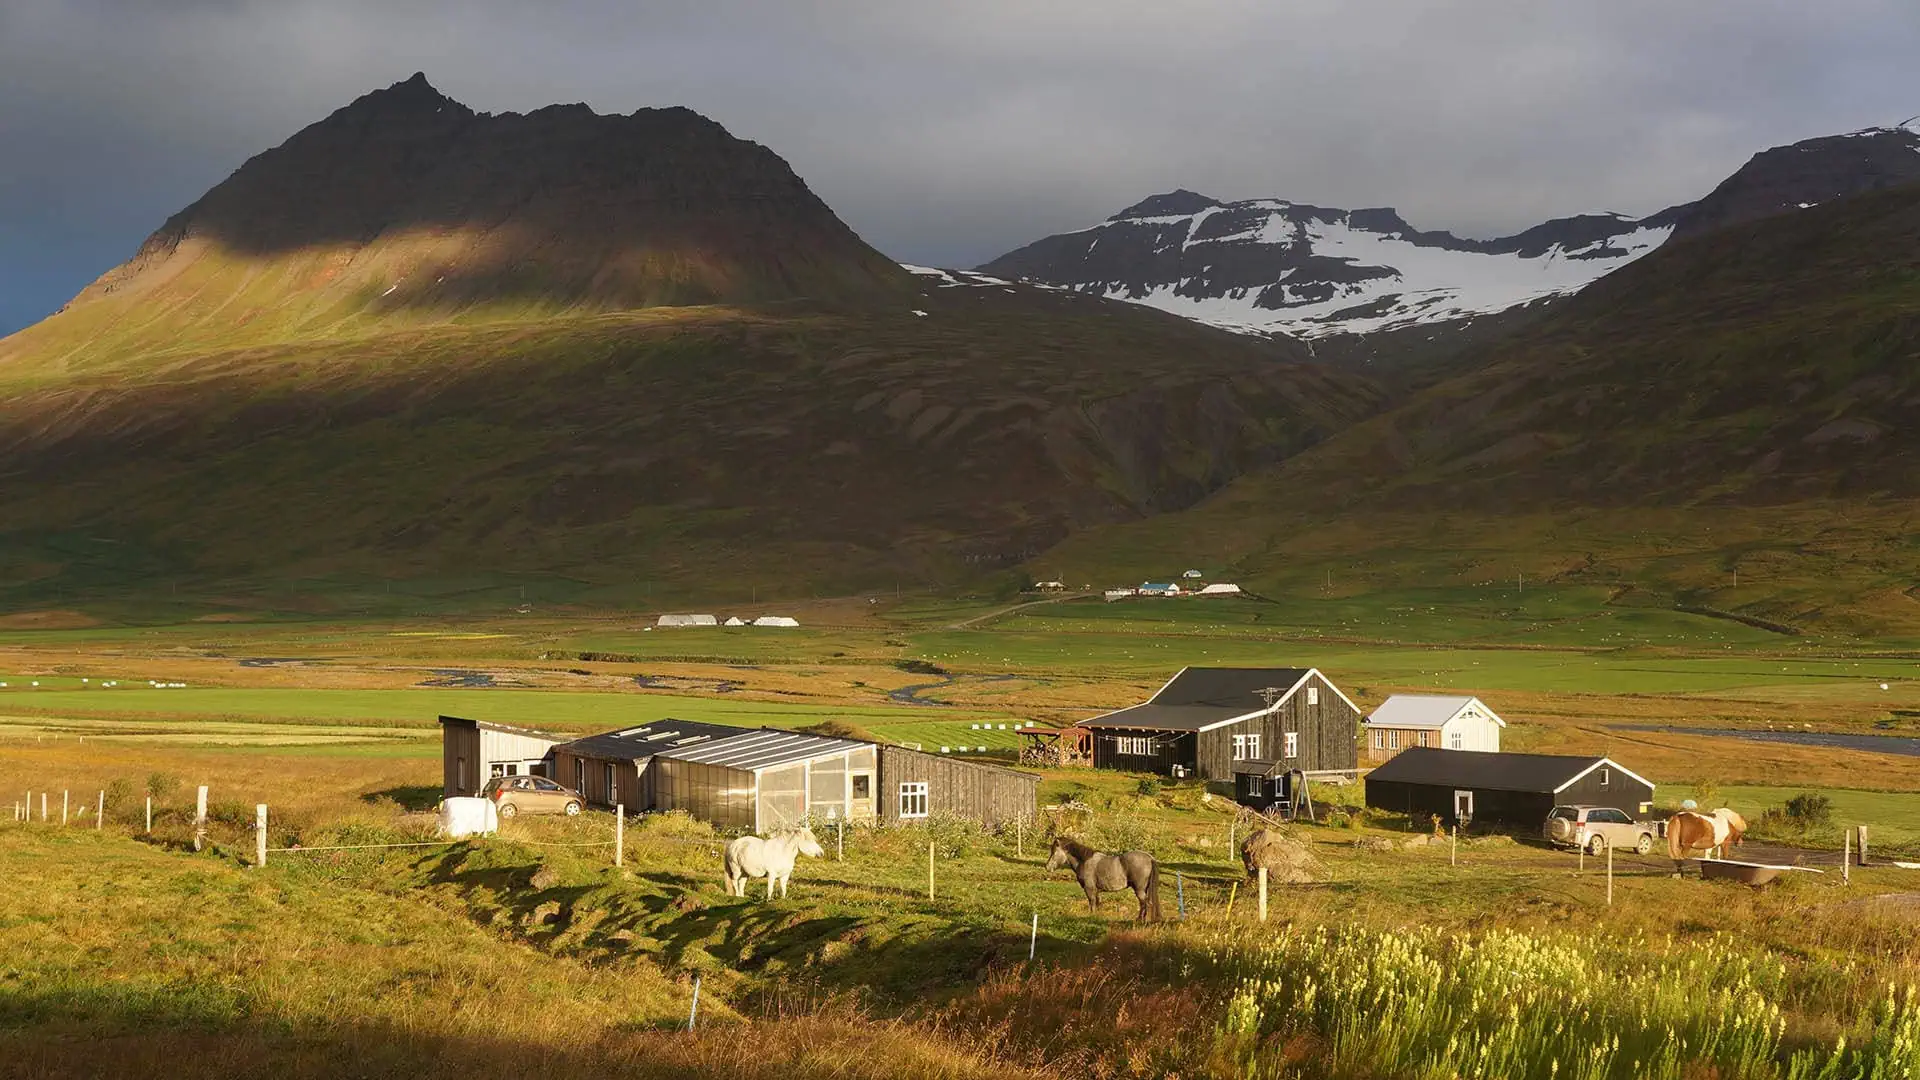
<point>1694,836</point>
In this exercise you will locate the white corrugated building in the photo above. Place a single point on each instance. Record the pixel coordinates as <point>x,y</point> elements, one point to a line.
<point>687,620</point>
<point>1442,721</point>
<point>776,620</point>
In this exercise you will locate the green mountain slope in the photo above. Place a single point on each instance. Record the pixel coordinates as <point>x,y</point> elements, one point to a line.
<point>417,342</point>
<point>1726,424</point>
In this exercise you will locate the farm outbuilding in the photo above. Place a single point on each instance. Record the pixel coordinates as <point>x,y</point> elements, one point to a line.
<point>686,620</point>
<point>1443,721</point>
<point>1513,791</point>
<point>1206,719</point>
<point>769,779</point>
<point>616,768</point>
<point>776,620</point>
<point>475,751</point>
<point>1219,588</point>
<point>918,784</point>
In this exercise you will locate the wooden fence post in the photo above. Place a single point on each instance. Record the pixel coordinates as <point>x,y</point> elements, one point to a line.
<point>100,811</point>
<point>839,839</point>
<point>1231,894</point>
<point>1033,939</point>
<point>64,793</point>
<point>1020,839</point>
<point>200,819</point>
<point>149,815</point>
<point>1846,857</point>
<point>1609,875</point>
<point>260,835</point>
<point>1180,893</point>
<point>619,834</point>
<point>43,808</point>
<point>1263,894</point>
<point>693,1014</point>
<point>929,869</point>
<point>1861,852</point>
<point>1453,846</point>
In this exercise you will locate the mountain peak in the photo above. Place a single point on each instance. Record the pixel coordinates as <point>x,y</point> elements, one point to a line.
<point>412,96</point>
<point>1177,201</point>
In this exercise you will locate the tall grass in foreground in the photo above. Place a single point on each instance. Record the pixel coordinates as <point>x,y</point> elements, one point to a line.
<point>1508,1005</point>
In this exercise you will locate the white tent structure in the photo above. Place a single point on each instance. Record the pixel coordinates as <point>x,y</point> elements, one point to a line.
<point>1220,588</point>
<point>736,621</point>
<point>776,620</point>
<point>686,620</point>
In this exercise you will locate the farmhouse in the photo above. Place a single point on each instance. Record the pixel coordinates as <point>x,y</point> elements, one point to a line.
<point>763,778</point>
<point>1512,790</point>
<point>616,768</point>
<point>1149,588</point>
<point>1204,720</point>
<point>474,751</point>
<point>1448,722</point>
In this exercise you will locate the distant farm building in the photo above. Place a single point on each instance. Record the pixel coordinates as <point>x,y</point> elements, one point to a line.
<point>776,620</point>
<point>1192,574</point>
<point>1219,588</point>
<point>1148,588</point>
<point>1510,790</point>
<point>1051,586</point>
<point>1207,721</point>
<point>475,751</point>
<point>759,778</point>
<point>686,620</point>
<point>1446,722</point>
<point>735,621</point>
<point>1119,594</point>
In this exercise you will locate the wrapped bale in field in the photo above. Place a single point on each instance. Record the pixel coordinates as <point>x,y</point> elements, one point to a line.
<point>1289,861</point>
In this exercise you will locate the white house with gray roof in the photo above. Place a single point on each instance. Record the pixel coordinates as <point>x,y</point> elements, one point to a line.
<point>1441,721</point>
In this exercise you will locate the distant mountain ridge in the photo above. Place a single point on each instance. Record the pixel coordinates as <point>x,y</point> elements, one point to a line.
<point>1271,265</point>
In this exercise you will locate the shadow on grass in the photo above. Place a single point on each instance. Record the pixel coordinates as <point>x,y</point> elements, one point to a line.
<point>414,797</point>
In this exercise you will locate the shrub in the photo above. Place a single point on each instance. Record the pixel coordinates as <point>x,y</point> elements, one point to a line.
<point>119,793</point>
<point>1147,786</point>
<point>1809,809</point>
<point>162,785</point>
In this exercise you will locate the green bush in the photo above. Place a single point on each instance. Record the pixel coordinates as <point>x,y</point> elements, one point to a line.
<point>162,785</point>
<point>1809,809</point>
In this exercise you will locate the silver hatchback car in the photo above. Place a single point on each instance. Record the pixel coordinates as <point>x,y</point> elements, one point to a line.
<point>1597,828</point>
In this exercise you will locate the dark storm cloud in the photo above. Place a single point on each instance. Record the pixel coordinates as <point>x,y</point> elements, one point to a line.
<point>948,133</point>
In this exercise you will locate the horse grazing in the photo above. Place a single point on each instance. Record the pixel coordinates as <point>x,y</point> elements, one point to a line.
<point>1100,871</point>
<point>1691,835</point>
<point>771,858</point>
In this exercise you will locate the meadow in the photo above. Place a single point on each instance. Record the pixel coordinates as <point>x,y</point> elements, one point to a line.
<point>443,959</point>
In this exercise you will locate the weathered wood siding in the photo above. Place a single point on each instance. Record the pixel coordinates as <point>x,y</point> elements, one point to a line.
<point>968,789</point>
<point>1383,744</point>
<point>1329,732</point>
<point>1175,748</point>
<point>460,750</point>
<point>586,774</point>
<point>1608,786</point>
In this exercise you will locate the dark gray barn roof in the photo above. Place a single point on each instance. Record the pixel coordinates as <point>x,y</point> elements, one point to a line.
<point>1199,698</point>
<point>646,740</point>
<point>488,725</point>
<point>1475,769</point>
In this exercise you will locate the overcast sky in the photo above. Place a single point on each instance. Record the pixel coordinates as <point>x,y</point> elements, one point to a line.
<point>948,133</point>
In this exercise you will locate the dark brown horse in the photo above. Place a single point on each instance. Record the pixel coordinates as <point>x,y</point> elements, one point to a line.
<point>1100,871</point>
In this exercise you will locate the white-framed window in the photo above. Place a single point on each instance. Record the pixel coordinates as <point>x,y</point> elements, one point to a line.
<point>1313,695</point>
<point>1454,741</point>
<point>1379,739</point>
<point>613,784</point>
<point>913,800</point>
<point>1246,747</point>
<point>1605,777</point>
<point>1393,740</point>
<point>497,769</point>
<point>1133,745</point>
<point>1291,742</point>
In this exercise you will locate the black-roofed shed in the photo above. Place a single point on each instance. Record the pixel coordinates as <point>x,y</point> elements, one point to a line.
<point>1508,790</point>
<point>1205,719</point>
<point>616,767</point>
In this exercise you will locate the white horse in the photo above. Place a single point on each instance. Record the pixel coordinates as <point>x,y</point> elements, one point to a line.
<point>771,858</point>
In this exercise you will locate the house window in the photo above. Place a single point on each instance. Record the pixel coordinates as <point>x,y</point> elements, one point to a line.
<point>1605,777</point>
<point>913,800</point>
<point>1313,695</point>
<point>497,769</point>
<point>1133,746</point>
<point>1454,741</point>
<point>1246,747</point>
<point>1420,738</point>
<point>1379,739</point>
<point>1292,743</point>
<point>1393,740</point>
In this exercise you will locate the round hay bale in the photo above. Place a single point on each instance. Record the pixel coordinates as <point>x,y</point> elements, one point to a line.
<point>1288,860</point>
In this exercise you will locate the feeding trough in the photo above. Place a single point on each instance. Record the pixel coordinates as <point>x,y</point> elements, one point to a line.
<point>1748,873</point>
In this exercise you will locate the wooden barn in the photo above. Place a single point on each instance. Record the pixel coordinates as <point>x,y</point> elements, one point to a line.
<point>1442,721</point>
<point>1514,791</point>
<point>617,767</point>
<point>1206,719</point>
<point>475,751</point>
<point>915,784</point>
